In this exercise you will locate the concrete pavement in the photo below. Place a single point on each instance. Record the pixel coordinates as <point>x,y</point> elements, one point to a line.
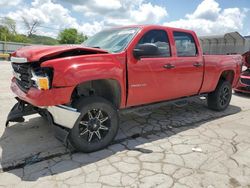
<point>188,146</point>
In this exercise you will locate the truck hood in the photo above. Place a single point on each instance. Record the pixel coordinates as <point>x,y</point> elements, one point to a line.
<point>37,53</point>
<point>246,59</point>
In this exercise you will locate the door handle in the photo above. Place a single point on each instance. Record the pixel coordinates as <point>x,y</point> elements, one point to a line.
<point>197,64</point>
<point>168,66</point>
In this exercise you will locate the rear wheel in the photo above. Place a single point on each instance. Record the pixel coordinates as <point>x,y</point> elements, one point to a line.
<point>97,125</point>
<point>220,98</point>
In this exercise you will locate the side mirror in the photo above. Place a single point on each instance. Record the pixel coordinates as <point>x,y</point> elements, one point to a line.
<point>145,50</point>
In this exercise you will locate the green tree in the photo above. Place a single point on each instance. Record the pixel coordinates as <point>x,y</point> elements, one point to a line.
<point>21,38</point>
<point>38,39</point>
<point>71,36</point>
<point>4,33</point>
<point>10,24</point>
<point>81,38</point>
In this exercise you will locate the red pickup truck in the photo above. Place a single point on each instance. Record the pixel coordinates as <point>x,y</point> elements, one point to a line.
<point>82,88</point>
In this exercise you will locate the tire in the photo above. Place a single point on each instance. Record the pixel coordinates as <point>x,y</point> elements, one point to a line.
<point>219,99</point>
<point>97,125</point>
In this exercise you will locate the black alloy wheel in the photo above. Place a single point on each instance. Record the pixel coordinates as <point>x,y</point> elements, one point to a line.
<point>97,125</point>
<point>224,96</point>
<point>94,125</point>
<point>220,98</point>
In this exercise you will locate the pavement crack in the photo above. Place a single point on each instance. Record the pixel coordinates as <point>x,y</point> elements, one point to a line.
<point>235,150</point>
<point>170,131</point>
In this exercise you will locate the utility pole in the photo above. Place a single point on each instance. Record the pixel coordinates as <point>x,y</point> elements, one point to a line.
<point>4,45</point>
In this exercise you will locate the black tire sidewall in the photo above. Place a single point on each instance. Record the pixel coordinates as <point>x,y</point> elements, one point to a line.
<point>228,85</point>
<point>83,106</point>
<point>214,97</point>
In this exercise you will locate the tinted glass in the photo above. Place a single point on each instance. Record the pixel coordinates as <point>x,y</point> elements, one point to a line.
<point>185,44</point>
<point>160,39</point>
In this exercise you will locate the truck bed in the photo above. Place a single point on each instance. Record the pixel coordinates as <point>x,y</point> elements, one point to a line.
<point>213,65</point>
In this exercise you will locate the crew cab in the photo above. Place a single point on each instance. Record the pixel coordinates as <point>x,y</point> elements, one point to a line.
<point>81,89</point>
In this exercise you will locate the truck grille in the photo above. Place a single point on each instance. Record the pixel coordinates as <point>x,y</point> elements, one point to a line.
<point>245,81</point>
<point>22,72</point>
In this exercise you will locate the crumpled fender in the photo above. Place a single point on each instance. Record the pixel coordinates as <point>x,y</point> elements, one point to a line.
<point>71,71</point>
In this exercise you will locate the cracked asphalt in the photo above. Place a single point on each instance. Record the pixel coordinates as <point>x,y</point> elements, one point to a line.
<point>188,146</point>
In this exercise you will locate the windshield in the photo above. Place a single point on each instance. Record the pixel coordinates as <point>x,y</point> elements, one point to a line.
<point>112,40</point>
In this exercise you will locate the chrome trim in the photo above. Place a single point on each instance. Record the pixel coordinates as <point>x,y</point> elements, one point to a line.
<point>68,108</point>
<point>18,59</point>
<point>64,115</point>
<point>16,75</point>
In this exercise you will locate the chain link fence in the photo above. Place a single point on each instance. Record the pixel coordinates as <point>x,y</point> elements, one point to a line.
<point>230,43</point>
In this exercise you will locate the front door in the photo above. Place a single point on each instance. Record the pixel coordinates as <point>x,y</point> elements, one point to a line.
<point>150,78</point>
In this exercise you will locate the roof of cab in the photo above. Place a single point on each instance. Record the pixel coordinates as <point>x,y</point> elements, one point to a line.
<point>154,26</point>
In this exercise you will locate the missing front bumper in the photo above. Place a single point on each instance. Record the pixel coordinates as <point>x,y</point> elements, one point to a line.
<point>19,110</point>
<point>62,118</point>
<point>61,115</point>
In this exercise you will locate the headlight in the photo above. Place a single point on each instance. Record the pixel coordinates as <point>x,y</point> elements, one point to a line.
<point>42,78</point>
<point>244,68</point>
<point>42,83</point>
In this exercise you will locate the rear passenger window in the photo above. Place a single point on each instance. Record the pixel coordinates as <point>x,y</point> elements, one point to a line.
<point>160,39</point>
<point>185,44</point>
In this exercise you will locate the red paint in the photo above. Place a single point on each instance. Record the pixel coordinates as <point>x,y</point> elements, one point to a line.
<point>241,87</point>
<point>147,80</point>
<point>52,97</point>
<point>34,53</point>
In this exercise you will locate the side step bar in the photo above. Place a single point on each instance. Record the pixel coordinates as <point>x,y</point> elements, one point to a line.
<point>178,102</point>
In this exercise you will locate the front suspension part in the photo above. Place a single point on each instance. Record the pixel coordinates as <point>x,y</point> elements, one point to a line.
<point>20,109</point>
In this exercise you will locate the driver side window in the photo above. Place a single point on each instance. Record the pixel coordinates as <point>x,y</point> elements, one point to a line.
<point>158,38</point>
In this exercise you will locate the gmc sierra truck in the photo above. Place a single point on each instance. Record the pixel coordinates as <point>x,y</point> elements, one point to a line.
<point>81,89</point>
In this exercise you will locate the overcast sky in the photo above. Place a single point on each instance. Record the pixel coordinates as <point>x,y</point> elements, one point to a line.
<point>206,17</point>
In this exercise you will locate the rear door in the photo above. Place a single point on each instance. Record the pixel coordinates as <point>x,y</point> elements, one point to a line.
<point>188,64</point>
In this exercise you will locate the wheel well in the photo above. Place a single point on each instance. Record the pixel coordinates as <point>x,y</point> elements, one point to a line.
<point>227,75</point>
<point>106,88</point>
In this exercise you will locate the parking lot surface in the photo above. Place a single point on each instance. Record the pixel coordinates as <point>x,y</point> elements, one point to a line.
<point>172,146</point>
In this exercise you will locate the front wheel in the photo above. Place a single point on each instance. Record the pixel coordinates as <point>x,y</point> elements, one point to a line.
<point>220,98</point>
<point>97,125</point>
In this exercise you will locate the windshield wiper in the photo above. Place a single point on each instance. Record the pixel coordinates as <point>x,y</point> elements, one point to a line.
<point>91,46</point>
<point>95,47</point>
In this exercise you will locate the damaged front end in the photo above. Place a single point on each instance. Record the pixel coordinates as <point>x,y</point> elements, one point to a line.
<point>61,117</point>
<point>18,111</point>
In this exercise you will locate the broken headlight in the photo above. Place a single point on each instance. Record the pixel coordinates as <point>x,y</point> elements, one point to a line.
<point>243,68</point>
<point>42,78</point>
